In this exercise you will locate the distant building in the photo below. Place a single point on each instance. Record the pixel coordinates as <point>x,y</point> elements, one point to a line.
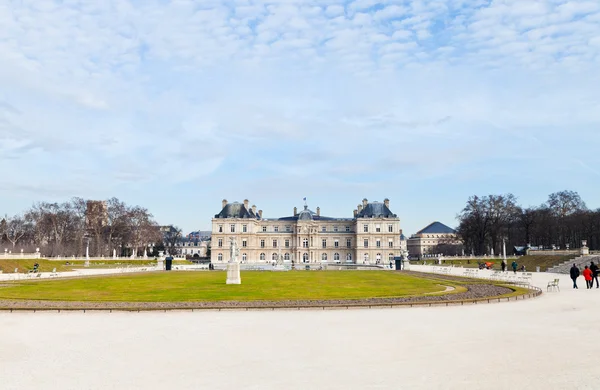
<point>431,239</point>
<point>96,214</point>
<point>201,235</point>
<point>371,236</point>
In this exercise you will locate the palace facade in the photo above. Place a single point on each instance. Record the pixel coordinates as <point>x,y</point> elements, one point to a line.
<point>370,236</point>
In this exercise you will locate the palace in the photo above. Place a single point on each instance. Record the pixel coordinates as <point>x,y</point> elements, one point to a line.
<point>371,236</point>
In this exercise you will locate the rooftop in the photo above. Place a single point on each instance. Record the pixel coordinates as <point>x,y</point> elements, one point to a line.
<point>436,228</point>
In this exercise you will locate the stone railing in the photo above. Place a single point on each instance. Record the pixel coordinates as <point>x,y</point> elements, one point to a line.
<point>8,255</point>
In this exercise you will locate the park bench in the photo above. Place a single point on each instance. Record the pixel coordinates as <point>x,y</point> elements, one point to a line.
<point>553,284</point>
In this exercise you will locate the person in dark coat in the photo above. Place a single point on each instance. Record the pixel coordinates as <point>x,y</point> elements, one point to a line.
<point>503,265</point>
<point>574,275</point>
<point>594,269</point>
<point>514,266</point>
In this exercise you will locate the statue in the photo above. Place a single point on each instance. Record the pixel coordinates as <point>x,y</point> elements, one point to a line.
<point>233,267</point>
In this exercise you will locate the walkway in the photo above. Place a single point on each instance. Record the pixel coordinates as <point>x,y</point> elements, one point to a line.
<point>544,343</point>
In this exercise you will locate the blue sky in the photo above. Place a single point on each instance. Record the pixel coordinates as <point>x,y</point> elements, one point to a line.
<point>175,105</point>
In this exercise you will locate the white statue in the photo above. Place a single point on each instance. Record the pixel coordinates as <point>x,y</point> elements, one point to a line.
<point>234,252</point>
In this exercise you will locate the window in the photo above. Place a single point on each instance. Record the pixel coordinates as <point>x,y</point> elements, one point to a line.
<point>348,242</point>
<point>275,228</point>
<point>232,228</point>
<point>220,257</point>
<point>305,243</point>
<point>336,244</point>
<point>366,243</point>
<point>347,228</point>
<point>391,257</point>
<point>324,257</point>
<point>378,243</point>
<point>274,243</point>
<point>220,243</point>
<point>305,257</point>
<point>366,257</point>
<point>262,243</point>
<point>262,256</point>
<point>244,228</point>
<point>287,243</point>
<point>378,228</point>
<point>286,257</point>
<point>349,257</point>
<point>274,257</point>
<point>244,243</point>
<point>378,257</point>
<point>288,228</point>
<point>336,257</point>
<point>196,243</point>
<point>244,257</point>
<point>324,243</point>
<point>390,228</point>
<point>391,244</point>
<point>366,228</point>
<point>264,228</point>
<point>323,229</point>
<point>220,228</point>
<point>335,229</point>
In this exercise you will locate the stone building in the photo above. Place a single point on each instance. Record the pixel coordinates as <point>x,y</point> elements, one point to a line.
<point>428,240</point>
<point>370,236</point>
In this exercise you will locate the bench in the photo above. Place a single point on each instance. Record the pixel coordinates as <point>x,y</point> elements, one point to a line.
<point>553,284</point>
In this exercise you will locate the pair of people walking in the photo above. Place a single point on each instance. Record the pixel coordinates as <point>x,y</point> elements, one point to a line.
<point>589,274</point>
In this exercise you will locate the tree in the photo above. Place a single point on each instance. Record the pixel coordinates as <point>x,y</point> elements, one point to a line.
<point>565,203</point>
<point>15,228</point>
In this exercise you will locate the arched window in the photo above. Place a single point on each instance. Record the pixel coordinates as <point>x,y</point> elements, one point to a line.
<point>262,256</point>
<point>324,257</point>
<point>244,257</point>
<point>286,257</point>
<point>305,257</point>
<point>274,256</point>
<point>220,257</point>
<point>366,257</point>
<point>336,256</point>
<point>391,257</point>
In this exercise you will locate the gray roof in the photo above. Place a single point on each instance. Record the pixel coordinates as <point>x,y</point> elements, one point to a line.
<point>376,210</point>
<point>436,228</point>
<point>236,210</point>
<point>308,215</point>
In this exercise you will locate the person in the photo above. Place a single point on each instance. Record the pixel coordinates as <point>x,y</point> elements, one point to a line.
<point>574,275</point>
<point>503,265</point>
<point>594,269</point>
<point>587,275</point>
<point>523,268</point>
<point>514,266</point>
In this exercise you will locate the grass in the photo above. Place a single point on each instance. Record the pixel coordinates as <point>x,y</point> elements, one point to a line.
<point>24,265</point>
<point>530,262</point>
<point>210,286</point>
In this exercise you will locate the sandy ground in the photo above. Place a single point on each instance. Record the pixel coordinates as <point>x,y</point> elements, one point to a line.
<point>544,343</point>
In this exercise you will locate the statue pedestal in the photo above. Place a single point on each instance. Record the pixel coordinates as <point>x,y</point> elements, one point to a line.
<point>405,265</point>
<point>160,265</point>
<point>585,251</point>
<point>233,273</point>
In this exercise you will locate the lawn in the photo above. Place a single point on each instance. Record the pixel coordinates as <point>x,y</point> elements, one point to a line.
<point>530,262</point>
<point>210,286</point>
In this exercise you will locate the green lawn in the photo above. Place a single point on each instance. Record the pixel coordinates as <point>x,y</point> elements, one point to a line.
<point>209,286</point>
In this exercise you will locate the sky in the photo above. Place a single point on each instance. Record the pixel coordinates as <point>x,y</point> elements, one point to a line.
<point>176,105</point>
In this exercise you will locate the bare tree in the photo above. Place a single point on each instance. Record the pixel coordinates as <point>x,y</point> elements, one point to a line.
<point>15,228</point>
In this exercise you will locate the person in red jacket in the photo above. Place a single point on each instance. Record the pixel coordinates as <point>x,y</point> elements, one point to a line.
<point>587,275</point>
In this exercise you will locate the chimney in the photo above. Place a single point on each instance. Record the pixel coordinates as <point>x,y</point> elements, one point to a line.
<point>224,203</point>
<point>365,202</point>
<point>260,213</point>
<point>254,209</point>
<point>246,203</point>
<point>319,211</point>
<point>386,202</point>
<point>359,207</point>
<point>295,211</point>
<point>355,213</point>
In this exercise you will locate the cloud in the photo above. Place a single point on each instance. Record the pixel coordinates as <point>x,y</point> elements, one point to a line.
<point>122,96</point>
